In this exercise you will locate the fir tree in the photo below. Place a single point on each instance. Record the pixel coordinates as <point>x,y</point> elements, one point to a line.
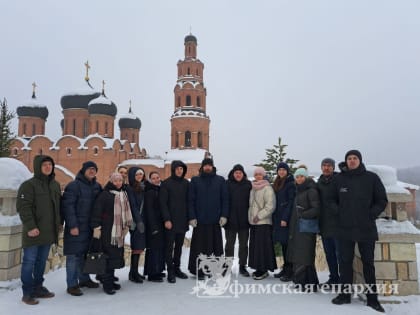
<point>6,135</point>
<point>274,156</point>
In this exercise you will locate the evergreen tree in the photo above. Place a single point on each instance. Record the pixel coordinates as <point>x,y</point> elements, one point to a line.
<point>274,156</point>
<point>6,135</point>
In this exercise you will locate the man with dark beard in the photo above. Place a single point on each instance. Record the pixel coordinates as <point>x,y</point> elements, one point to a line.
<point>208,212</point>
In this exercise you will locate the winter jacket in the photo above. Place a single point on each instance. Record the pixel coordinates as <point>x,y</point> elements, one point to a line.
<point>360,197</point>
<point>262,203</point>
<point>208,198</point>
<point>38,205</point>
<point>301,245</point>
<point>103,215</point>
<point>238,203</point>
<point>135,196</point>
<point>173,198</point>
<point>153,217</point>
<point>285,199</point>
<point>76,209</point>
<point>328,217</point>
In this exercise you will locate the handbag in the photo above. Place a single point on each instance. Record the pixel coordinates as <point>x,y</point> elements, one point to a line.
<point>95,261</point>
<point>308,225</point>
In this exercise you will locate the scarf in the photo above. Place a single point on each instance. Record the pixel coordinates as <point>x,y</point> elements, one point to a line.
<point>122,217</point>
<point>260,184</point>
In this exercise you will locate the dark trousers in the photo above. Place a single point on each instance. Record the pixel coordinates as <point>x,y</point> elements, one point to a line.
<point>243,236</point>
<point>332,254</point>
<point>173,249</point>
<point>366,249</point>
<point>108,279</point>
<point>287,266</point>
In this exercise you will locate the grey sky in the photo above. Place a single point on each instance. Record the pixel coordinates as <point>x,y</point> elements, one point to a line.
<point>327,76</point>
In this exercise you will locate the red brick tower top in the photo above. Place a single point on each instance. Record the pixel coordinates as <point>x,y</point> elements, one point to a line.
<point>189,122</point>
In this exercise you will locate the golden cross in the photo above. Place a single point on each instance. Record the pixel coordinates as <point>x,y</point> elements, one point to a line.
<point>103,87</point>
<point>34,86</point>
<point>129,109</point>
<point>87,70</point>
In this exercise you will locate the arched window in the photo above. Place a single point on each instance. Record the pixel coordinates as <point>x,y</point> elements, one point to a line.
<point>95,150</point>
<point>179,101</point>
<point>40,151</point>
<point>188,71</point>
<point>24,129</point>
<point>188,100</point>
<point>15,152</point>
<point>85,128</point>
<point>33,129</point>
<point>196,71</point>
<point>188,139</point>
<point>176,140</point>
<point>74,127</point>
<point>200,139</point>
<point>97,126</point>
<point>106,128</point>
<point>132,138</point>
<point>68,151</point>
<point>198,101</point>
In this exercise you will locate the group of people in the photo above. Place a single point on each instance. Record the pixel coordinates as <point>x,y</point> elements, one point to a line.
<point>157,214</point>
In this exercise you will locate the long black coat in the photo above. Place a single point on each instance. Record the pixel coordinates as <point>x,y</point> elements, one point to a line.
<point>238,203</point>
<point>208,198</point>
<point>103,215</point>
<point>76,209</point>
<point>301,246</point>
<point>285,199</point>
<point>329,217</point>
<point>153,217</point>
<point>173,198</point>
<point>360,197</point>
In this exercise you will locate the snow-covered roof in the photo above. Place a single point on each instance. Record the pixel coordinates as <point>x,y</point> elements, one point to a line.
<point>182,82</point>
<point>388,176</point>
<point>394,227</point>
<point>128,116</point>
<point>155,162</point>
<point>407,185</point>
<point>33,102</point>
<point>109,142</point>
<point>186,155</point>
<point>101,100</point>
<point>64,170</point>
<point>189,113</point>
<point>13,172</point>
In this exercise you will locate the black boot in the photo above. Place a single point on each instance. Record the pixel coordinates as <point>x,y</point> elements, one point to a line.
<point>107,283</point>
<point>243,271</point>
<point>372,301</point>
<point>171,276</point>
<point>134,275</point>
<point>180,274</point>
<point>342,298</point>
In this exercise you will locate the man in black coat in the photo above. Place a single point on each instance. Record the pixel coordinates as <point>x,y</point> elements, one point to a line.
<point>360,197</point>
<point>173,199</point>
<point>76,207</point>
<point>328,220</point>
<point>239,188</point>
<point>208,212</point>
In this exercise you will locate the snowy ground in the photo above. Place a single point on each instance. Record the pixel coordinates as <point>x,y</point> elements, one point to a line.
<point>165,298</point>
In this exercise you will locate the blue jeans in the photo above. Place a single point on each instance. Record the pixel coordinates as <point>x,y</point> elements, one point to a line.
<point>33,267</point>
<point>74,268</point>
<point>332,254</point>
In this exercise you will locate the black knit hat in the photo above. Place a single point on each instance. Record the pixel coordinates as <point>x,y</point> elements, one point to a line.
<point>354,152</point>
<point>207,161</point>
<point>87,165</point>
<point>238,167</point>
<point>328,161</point>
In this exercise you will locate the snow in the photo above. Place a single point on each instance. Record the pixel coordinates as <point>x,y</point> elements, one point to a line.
<point>65,170</point>
<point>10,220</point>
<point>186,155</point>
<point>156,162</point>
<point>388,176</point>
<point>174,299</point>
<point>13,173</point>
<point>394,227</point>
<point>101,100</point>
<point>128,116</point>
<point>407,185</point>
<point>33,102</point>
<point>188,113</point>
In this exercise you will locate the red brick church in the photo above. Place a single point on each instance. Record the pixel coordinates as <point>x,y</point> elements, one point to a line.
<point>88,128</point>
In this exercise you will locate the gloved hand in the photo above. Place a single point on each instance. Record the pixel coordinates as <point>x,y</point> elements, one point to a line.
<point>193,223</point>
<point>140,227</point>
<point>222,221</point>
<point>97,232</point>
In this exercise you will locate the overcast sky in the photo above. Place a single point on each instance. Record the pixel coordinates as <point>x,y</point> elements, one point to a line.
<point>326,76</point>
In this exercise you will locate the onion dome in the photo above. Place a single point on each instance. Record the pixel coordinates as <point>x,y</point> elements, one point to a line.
<point>102,105</point>
<point>129,120</point>
<point>81,97</point>
<point>33,108</point>
<point>190,38</point>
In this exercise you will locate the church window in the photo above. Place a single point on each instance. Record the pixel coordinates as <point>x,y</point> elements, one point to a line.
<point>188,100</point>
<point>198,101</point>
<point>188,139</point>
<point>200,139</point>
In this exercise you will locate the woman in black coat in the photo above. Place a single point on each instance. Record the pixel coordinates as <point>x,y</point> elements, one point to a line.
<point>111,220</point>
<point>285,189</point>
<point>155,242</point>
<point>301,246</point>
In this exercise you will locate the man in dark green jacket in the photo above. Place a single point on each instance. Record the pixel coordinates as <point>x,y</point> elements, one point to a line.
<point>38,205</point>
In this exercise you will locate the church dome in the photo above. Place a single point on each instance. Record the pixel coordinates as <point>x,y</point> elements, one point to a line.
<point>102,106</point>
<point>33,108</point>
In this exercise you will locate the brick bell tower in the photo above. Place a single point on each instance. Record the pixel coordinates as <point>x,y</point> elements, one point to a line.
<point>189,122</point>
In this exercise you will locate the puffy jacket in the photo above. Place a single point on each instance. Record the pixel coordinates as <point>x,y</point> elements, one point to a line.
<point>262,203</point>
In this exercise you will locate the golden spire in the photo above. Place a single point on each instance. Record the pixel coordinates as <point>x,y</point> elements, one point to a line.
<point>34,86</point>
<point>87,70</point>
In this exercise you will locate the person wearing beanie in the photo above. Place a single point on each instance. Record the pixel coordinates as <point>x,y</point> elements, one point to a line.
<point>76,207</point>
<point>208,212</point>
<point>302,245</point>
<point>359,197</point>
<point>262,203</point>
<point>285,190</point>
<point>328,221</point>
<point>173,198</point>
<point>38,205</point>
<point>239,188</point>
<point>135,191</point>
